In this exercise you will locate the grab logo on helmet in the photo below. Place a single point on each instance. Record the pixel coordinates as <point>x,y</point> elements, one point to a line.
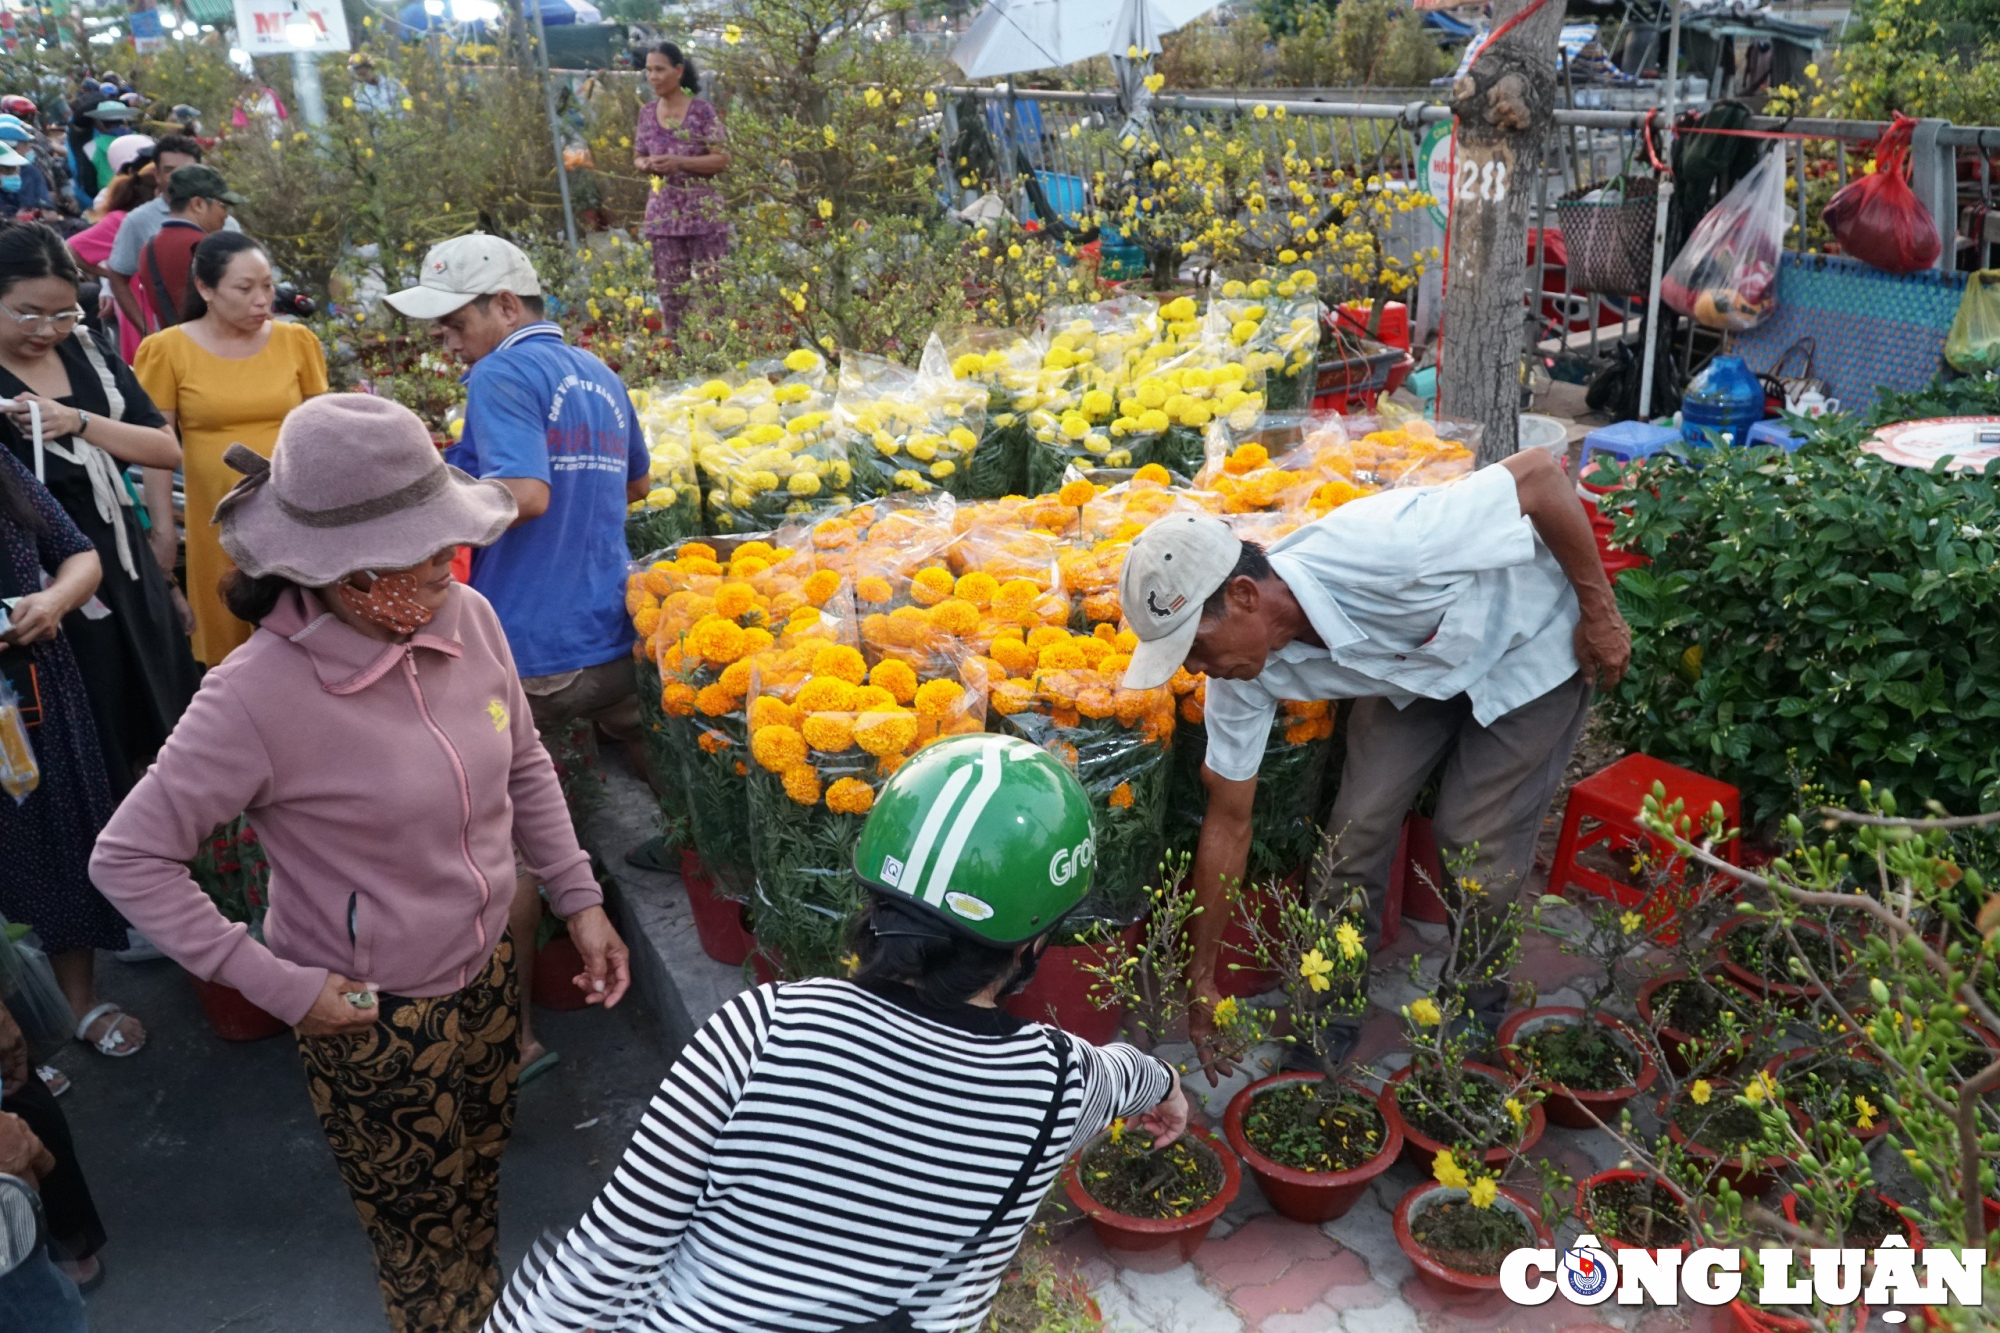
<point>1066,864</point>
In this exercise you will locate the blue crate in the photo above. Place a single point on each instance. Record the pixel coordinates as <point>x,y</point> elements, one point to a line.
<point>1627,441</point>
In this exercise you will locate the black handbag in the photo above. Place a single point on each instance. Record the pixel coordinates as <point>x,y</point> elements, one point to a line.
<point>901,1320</point>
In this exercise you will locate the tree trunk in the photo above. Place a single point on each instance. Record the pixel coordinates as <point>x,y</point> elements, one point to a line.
<point>1505,107</point>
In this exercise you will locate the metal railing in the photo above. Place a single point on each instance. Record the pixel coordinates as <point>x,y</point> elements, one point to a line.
<point>1952,173</point>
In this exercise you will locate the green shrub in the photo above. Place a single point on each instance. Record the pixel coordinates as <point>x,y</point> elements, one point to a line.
<point>1815,618</point>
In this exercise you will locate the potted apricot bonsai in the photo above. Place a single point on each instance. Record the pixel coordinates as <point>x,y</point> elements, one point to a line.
<point>1314,1139</point>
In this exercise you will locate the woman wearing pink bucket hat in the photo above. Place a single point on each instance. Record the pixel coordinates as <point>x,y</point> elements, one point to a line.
<point>374,732</point>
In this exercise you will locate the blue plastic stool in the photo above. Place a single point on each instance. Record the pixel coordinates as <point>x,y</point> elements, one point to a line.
<point>1627,441</point>
<point>1783,434</point>
<point>1065,195</point>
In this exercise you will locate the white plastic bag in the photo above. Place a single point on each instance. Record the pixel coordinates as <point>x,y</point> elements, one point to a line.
<point>1726,276</point>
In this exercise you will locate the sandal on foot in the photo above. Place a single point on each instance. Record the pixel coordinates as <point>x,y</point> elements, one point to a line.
<point>543,1064</point>
<point>112,1041</point>
<point>654,854</point>
<point>53,1079</point>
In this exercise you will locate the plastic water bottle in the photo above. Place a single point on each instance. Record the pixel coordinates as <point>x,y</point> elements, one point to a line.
<point>1725,398</point>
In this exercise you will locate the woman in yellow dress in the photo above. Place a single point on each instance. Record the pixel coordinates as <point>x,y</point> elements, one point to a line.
<point>226,375</point>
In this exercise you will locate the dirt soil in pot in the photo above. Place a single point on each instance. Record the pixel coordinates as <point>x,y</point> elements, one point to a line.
<point>1825,1086</point>
<point>1763,949</point>
<point>1296,1127</point>
<point>1481,1105</point>
<point>1689,1005</point>
<point>1639,1213</point>
<point>1472,1240</point>
<point>1583,1056</point>
<point>1130,1177</point>
<point>1722,1126</point>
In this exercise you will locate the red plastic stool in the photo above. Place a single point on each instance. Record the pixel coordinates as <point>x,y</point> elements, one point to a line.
<point>1610,801</point>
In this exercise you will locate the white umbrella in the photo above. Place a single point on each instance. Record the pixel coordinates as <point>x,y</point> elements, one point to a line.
<point>1015,36</point>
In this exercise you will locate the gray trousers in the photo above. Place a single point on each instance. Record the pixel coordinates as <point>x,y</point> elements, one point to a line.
<point>1494,794</point>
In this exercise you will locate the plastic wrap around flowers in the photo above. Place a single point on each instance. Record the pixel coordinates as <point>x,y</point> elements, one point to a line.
<point>671,511</point>
<point>908,431</point>
<point>768,452</point>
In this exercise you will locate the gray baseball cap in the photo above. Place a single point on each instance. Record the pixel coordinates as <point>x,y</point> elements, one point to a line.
<point>1173,567</point>
<point>462,269</point>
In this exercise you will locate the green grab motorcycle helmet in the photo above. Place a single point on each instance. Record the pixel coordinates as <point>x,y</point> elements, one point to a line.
<point>990,834</point>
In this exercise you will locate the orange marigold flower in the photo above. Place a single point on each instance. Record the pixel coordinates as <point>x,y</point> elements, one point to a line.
<point>832,534</point>
<point>824,694</point>
<point>1155,474</point>
<point>868,698</point>
<point>712,741</point>
<point>850,796</point>
<point>1102,608</point>
<point>1299,733</point>
<point>695,551</point>
<point>938,698</point>
<point>829,733</point>
<point>1135,705</point>
<point>931,586</point>
<point>1074,493</point>
<point>1094,649</point>
<point>1104,632</point>
<point>877,630</point>
<point>1121,797</point>
<point>735,600</point>
<point>747,566</point>
<point>802,784</point>
<point>677,698</point>
<point>715,701</point>
<point>646,621</point>
<point>1012,696</point>
<point>1306,707</point>
<point>1126,641</point>
<point>1094,701</point>
<point>886,731</point>
<point>889,763</point>
<point>1247,458</point>
<point>873,588</point>
<point>1191,709</point>
<point>1114,665</point>
<point>978,587</point>
<point>756,640</point>
<point>1014,596</point>
<point>719,641</point>
<point>1066,718</point>
<point>1064,656</point>
<point>956,616</point>
<point>768,710</point>
<point>1044,635</point>
<point>1064,751</point>
<point>837,659</point>
<point>1016,657</point>
<point>1182,681</point>
<point>736,677</point>
<point>820,585</point>
<point>897,677</point>
<point>695,568</point>
<point>659,582</point>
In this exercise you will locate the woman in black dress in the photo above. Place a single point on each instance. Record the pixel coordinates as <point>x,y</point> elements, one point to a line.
<point>95,420</point>
<point>137,673</point>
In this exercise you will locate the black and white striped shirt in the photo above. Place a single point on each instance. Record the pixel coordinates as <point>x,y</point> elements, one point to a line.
<point>812,1158</point>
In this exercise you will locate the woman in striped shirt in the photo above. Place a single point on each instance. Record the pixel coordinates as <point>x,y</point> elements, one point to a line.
<point>836,1156</point>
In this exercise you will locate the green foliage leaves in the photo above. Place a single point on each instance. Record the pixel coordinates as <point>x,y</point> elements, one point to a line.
<point>1817,617</point>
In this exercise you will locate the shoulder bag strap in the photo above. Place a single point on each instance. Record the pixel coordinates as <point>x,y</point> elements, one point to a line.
<point>163,302</point>
<point>899,1321</point>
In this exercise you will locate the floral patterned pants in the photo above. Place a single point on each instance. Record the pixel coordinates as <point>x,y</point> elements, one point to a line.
<point>418,1109</point>
<point>675,261</point>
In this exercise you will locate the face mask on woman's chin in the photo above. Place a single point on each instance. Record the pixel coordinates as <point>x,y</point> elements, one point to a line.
<point>10,184</point>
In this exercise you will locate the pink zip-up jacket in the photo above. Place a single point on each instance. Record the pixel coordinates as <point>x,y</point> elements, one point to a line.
<point>389,785</point>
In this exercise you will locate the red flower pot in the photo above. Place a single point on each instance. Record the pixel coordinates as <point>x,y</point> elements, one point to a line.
<point>1303,1196</point>
<point>557,965</point>
<point>1591,1223</point>
<point>1155,1244</point>
<point>1574,1108</point>
<point>1434,1273</point>
<point>718,922</point>
<point>1675,1043</point>
<point>1795,993</point>
<point>1418,871</point>
<point>1060,992</point>
<point>1419,1148</point>
<point>1751,1183</point>
<point>1775,1067</point>
<point>233,1017</point>
<point>1790,1207</point>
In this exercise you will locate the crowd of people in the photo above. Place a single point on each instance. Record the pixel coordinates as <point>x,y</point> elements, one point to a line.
<point>363,646</point>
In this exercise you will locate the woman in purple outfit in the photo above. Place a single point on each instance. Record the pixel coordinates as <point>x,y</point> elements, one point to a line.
<point>680,141</point>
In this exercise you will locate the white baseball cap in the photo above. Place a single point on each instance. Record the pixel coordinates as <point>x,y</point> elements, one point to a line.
<point>1173,567</point>
<point>463,268</point>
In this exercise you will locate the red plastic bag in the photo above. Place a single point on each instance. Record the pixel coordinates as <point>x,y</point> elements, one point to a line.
<point>1877,219</point>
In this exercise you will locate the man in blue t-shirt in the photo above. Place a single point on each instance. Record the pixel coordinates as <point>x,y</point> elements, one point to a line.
<point>554,426</point>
